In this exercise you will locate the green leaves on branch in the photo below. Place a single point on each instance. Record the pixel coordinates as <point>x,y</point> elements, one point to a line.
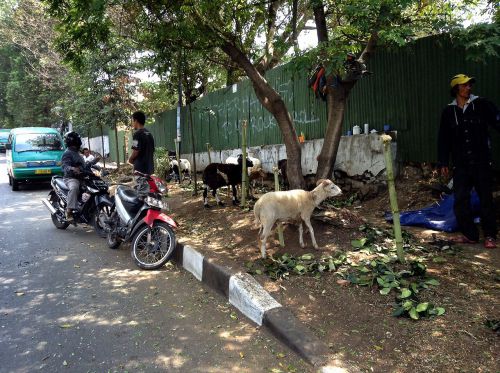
<point>283,266</point>
<point>406,281</point>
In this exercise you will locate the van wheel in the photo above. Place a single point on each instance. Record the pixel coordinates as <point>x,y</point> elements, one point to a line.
<point>15,185</point>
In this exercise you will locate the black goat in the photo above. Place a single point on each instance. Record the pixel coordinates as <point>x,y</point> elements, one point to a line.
<point>217,175</point>
<point>282,164</point>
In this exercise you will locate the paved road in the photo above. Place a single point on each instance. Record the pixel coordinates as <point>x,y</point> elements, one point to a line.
<point>69,304</point>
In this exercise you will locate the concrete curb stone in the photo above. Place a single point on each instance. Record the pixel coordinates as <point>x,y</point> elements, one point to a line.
<point>252,300</point>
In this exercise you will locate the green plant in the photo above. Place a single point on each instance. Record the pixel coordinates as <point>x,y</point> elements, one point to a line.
<point>406,281</point>
<point>162,161</point>
<point>286,264</point>
<point>493,325</point>
<point>340,203</point>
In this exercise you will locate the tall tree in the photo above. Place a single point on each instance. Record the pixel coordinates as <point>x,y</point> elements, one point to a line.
<point>254,36</point>
<point>32,78</point>
<point>359,27</point>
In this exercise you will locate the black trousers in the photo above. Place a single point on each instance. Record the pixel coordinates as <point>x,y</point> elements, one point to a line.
<point>480,178</point>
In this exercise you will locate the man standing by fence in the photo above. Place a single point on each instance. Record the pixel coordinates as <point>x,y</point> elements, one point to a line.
<point>464,134</point>
<point>143,147</point>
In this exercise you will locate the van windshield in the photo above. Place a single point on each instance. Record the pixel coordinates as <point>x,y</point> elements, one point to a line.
<point>40,142</point>
<point>4,136</point>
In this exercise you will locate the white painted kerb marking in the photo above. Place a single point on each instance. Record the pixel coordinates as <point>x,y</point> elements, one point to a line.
<point>192,261</point>
<point>246,294</point>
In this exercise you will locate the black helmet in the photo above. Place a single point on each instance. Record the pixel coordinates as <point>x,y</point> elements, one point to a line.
<point>72,139</point>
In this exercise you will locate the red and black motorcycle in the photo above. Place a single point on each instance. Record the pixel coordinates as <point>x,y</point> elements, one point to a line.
<point>136,217</point>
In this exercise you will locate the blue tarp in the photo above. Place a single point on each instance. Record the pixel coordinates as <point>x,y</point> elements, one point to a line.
<point>438,216</point>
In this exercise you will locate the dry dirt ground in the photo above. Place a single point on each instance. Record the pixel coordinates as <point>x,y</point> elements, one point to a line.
<point>355,321</point>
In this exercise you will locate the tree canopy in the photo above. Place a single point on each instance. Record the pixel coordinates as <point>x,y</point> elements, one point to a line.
<point>75,59</point>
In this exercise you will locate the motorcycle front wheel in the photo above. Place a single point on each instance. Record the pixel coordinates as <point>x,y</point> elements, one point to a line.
<point>112,240</point>
<point>155,253</point>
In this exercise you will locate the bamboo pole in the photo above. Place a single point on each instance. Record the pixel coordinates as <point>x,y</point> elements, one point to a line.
<point>193,150</point>
<point>386,139</point>
<point>177,158</point>
<point>277,188</point>
<point>117,147</point>
<point>244,176</point>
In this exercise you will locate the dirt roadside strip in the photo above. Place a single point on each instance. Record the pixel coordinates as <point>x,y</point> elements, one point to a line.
<point>253,301</point>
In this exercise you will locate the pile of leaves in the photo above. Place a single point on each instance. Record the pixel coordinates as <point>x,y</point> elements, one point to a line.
<point>377,267</point>
<point>340,203</point>
<point>282,267</point>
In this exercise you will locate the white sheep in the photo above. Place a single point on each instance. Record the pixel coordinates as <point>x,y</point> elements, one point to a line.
<point>257,164</point>
<point>184,169</point>
<point>296,205</point>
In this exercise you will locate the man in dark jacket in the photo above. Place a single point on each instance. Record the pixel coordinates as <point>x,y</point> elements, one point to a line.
<point>464,134</point>
<point>72,165</point>
<point>143,145</point>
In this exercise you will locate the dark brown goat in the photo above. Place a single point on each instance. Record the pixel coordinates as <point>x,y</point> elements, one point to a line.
<point>217,175</point>
<point>282,164</point>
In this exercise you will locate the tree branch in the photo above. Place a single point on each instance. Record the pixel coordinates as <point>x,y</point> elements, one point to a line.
<point>369,48</point>
<point>320,20</point>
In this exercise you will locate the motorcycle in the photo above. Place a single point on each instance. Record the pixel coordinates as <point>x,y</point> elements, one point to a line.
<point>94,202</point>
<point>136,217</point>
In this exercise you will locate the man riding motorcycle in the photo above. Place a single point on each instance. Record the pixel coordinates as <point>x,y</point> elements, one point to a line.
<point>72,166</point>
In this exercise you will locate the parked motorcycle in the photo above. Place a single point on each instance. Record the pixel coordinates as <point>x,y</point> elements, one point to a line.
<point>94,203</point>
<point>137,218</point>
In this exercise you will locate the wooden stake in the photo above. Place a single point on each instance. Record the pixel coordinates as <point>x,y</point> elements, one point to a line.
<point>208,152</point>
<point>244,176</point>
<point>280,225</point>
<point>386,139</point>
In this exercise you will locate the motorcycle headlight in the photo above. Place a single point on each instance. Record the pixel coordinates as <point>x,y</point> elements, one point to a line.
<point>151,201</point>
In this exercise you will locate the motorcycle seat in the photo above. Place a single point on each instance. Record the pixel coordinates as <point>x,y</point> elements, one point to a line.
<point>61,184</point>
<point>128,195</point>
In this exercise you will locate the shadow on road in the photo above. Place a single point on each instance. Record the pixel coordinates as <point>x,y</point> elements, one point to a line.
<point>34,187</point>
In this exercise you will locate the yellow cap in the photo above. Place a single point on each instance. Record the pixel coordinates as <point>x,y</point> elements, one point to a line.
<point>461,79</point>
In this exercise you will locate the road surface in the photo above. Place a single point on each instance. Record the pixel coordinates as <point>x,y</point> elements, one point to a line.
<point>70,304</point>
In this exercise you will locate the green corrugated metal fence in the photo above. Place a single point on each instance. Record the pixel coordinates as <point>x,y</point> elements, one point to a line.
<point>408,89</point>
<point>121,144</point>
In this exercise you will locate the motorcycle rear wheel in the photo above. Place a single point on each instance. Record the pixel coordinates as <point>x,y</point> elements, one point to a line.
<point>161,247</point>
<point>55,221</point>
<point>101,212</point>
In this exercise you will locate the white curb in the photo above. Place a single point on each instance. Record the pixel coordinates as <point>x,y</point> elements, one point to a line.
<point>246,294</point>
<point>192,261</point>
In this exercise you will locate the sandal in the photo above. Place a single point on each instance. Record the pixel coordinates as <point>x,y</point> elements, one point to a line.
<point>463,240</point>
<point>490,243</point>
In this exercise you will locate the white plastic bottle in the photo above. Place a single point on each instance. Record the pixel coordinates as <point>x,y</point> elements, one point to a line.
<point>356,130</point>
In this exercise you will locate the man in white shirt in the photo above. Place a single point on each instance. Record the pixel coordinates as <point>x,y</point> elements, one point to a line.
<point>87,157</point>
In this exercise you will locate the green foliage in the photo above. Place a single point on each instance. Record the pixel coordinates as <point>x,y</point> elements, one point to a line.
<point>31,79</point>
<point>158,97</point>
<point>407,282</point>
<point>283,266</point>
<point>340,203</point>
<point>493,325</point>
<point>480,41</point>
<point>162,161</point>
